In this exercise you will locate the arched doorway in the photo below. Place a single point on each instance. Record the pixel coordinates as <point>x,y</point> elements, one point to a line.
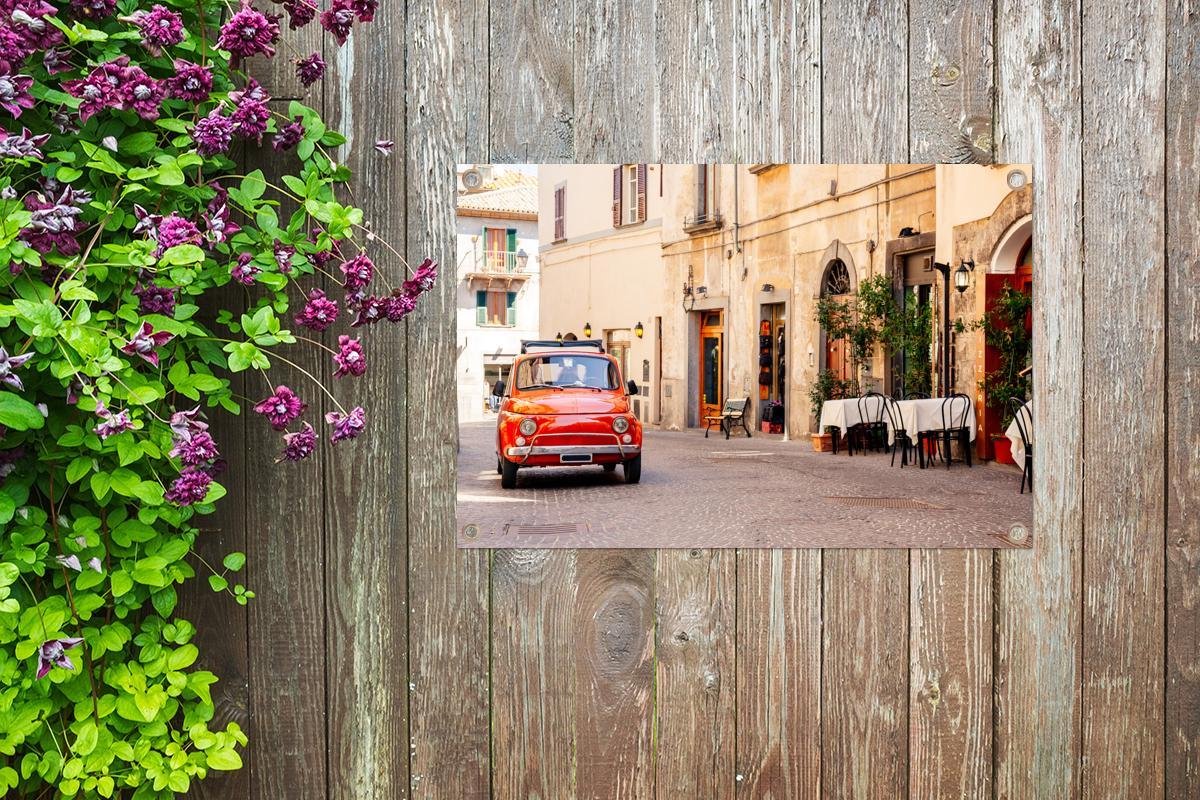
<point>1011,268</point>
<point>837,286</point>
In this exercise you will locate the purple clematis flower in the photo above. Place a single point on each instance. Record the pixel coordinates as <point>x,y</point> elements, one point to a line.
<point>93,9</point>
<point>250,111</point>
<point>282,408</point>
<point>371,309</point>
<point>23,145</point>
<point>349,358</point>
<point>220,228</point>
<point>53,653</point>
<point>185,425</point>
<point>155,299</point>
<point>283,256</point>
<point>358,271</point>
<point>190,82</point>
<point>289,135</point>
<point>399,305</point>
<point>160,28</point>
<point>422,280</point>
<point>311,69</point>
<point>298,445</point>
<point>141,93</point>
<point>197,449</point>
<point>113,423</point>
<point>14,93</point>
<point>346,426</point>
<point>319,312</point>
<point>145,343</point>
<point>384,146</point>
<point>213,133</point>
<point>300,12</point>
<point>190,487</point>
<point>243,271</point>
<point>338,19</point>
<point>94,565</point>
<point>249,32</point>
<point>8,365</point>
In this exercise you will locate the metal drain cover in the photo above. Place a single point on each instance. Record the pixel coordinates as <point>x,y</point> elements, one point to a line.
<point>548,529</point>
<point>884,502</point>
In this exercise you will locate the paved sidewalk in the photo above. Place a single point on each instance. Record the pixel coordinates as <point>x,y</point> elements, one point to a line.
<point>757,492</point>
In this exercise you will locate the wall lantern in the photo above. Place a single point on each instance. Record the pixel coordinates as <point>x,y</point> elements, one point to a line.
<point>587,330</point>
<point>522,259</point>
<point>768,287</point>
<point>558,338</point>
<point>962,275</point>
<point>702,290</point>
<point>638,330</point>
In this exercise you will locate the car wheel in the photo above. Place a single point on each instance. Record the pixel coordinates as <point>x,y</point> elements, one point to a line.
<point>633,469</point>
<point>508,474</point>
<point>610,467</point>
<point>499,470</point>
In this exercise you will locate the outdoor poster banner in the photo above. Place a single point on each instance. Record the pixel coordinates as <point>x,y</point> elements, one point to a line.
<point>744,355</point>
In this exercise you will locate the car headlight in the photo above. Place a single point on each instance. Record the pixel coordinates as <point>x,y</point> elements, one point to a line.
<point>528,427</point>
<point>620,424</point>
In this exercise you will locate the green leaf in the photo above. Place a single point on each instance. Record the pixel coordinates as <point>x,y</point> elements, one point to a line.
<point>149,492</point>
<point>169,174</point>
<point>121,583</point>
<point>234,561</point>
<point>79,466</point>
<point>138,143</point>
<point>8,507</point>
<point>181,255</point>
<point>225,759</point>
<point>183,658</point>
<point>18,414</point>
<point>253,186</point>
<point>218,583</point>
<point>85,738</point>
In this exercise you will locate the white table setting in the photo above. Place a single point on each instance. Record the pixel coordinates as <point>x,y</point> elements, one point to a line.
<point>1014,433</point>
<point>844,413</point>
<point>925,414</point>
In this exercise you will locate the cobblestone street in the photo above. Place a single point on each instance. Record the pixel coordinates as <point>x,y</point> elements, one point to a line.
<point>757,492</point>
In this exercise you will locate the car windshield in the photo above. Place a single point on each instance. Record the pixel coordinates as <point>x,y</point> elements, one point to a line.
<point>563,370</point>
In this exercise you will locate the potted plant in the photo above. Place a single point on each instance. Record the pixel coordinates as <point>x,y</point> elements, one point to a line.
<point>827,386</point>
<point>1005,331</point>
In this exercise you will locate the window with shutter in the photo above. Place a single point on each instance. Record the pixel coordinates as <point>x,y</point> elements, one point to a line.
<point>641,192</point>
<point>702,209</point>
<point>512,309</point>
<point>616,201</point>
<point>481,308</point>
<point>560,207</point>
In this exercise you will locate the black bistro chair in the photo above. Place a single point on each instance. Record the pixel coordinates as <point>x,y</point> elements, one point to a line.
<point>1024,420</point>
<point>900,437</point>
<point>874,430</point>
<point>955,409</point>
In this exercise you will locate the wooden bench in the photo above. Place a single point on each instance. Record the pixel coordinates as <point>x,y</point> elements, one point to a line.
<point>732,413</point>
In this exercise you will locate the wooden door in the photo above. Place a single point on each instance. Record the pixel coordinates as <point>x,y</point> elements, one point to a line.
<point>837,351</point>
<point>712,362</point>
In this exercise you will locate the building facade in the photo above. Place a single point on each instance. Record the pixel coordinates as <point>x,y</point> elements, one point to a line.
<point>602,270</point>
<point>497,278</point>
<point>747,253</point>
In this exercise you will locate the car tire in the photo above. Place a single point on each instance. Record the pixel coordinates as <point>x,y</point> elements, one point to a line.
<point>508,474</point>
<point>633,469</point>
<point>499,469</point>
<point>610,467</point>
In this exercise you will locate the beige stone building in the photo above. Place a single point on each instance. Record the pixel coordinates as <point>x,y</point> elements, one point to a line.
<point>725,267</point>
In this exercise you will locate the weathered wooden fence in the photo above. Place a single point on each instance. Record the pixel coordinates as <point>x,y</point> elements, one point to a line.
<point>380,662</point>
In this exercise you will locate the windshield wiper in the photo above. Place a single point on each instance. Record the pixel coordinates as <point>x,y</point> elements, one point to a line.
<point>541,386</point>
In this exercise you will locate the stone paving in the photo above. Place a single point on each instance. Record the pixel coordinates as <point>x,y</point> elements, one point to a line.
<point>756,492</point>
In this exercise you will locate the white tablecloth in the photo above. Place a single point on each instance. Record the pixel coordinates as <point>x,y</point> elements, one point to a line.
<point>1014,434</point>
<point>844,414</point>
<point>926,415</point>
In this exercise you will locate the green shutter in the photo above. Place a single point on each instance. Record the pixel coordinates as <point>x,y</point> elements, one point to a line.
<point>512,309</point>
<point>481,308</point>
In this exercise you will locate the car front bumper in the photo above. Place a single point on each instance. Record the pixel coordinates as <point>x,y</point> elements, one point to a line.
<point>624,450</point>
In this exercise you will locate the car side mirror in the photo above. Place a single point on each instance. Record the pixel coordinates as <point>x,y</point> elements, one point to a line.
<point>633,387</point>
<point>498,389</point>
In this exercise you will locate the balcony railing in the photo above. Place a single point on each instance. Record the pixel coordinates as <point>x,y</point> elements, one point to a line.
<point>703,221</point>
<point>500,262</point>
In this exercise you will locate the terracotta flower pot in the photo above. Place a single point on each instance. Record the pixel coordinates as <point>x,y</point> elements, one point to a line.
<point>822,442</point>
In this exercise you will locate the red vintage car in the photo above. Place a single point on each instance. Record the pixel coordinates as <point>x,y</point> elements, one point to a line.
<point>564,405</point>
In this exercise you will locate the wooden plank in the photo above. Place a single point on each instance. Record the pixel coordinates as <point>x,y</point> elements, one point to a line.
<point>278,74</point>
<point>696,678</point>
<point>696,86</point>
<point>865,663</point>
<point>779,674</point>
<point>448,587</point>
<point>777,69</point>
<point>1183,410</point>
<point>950,680</point>
<point>614,89</point>
<point>950,84</point>
<point>531,102</point>
<point>285,556</point>
<point>950,599</point>
<point>533,673</point>
<point>366,665</point>
<point>1038,595</point>
<point>614,652</point>
<point>1124,513</point>
<point>466,23</point>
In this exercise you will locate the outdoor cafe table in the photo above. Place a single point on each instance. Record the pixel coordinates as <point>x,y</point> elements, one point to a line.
<point>926,415</point>
<point>843,414</point>
<point>1014,434</point>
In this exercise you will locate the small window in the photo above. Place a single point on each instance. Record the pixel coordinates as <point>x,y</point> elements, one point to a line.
<point>560,213</point>
<point>631,194</point>
<point>496,307</point>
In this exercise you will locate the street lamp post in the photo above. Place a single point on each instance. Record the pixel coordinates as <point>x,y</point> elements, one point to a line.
<point>962,277</point>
